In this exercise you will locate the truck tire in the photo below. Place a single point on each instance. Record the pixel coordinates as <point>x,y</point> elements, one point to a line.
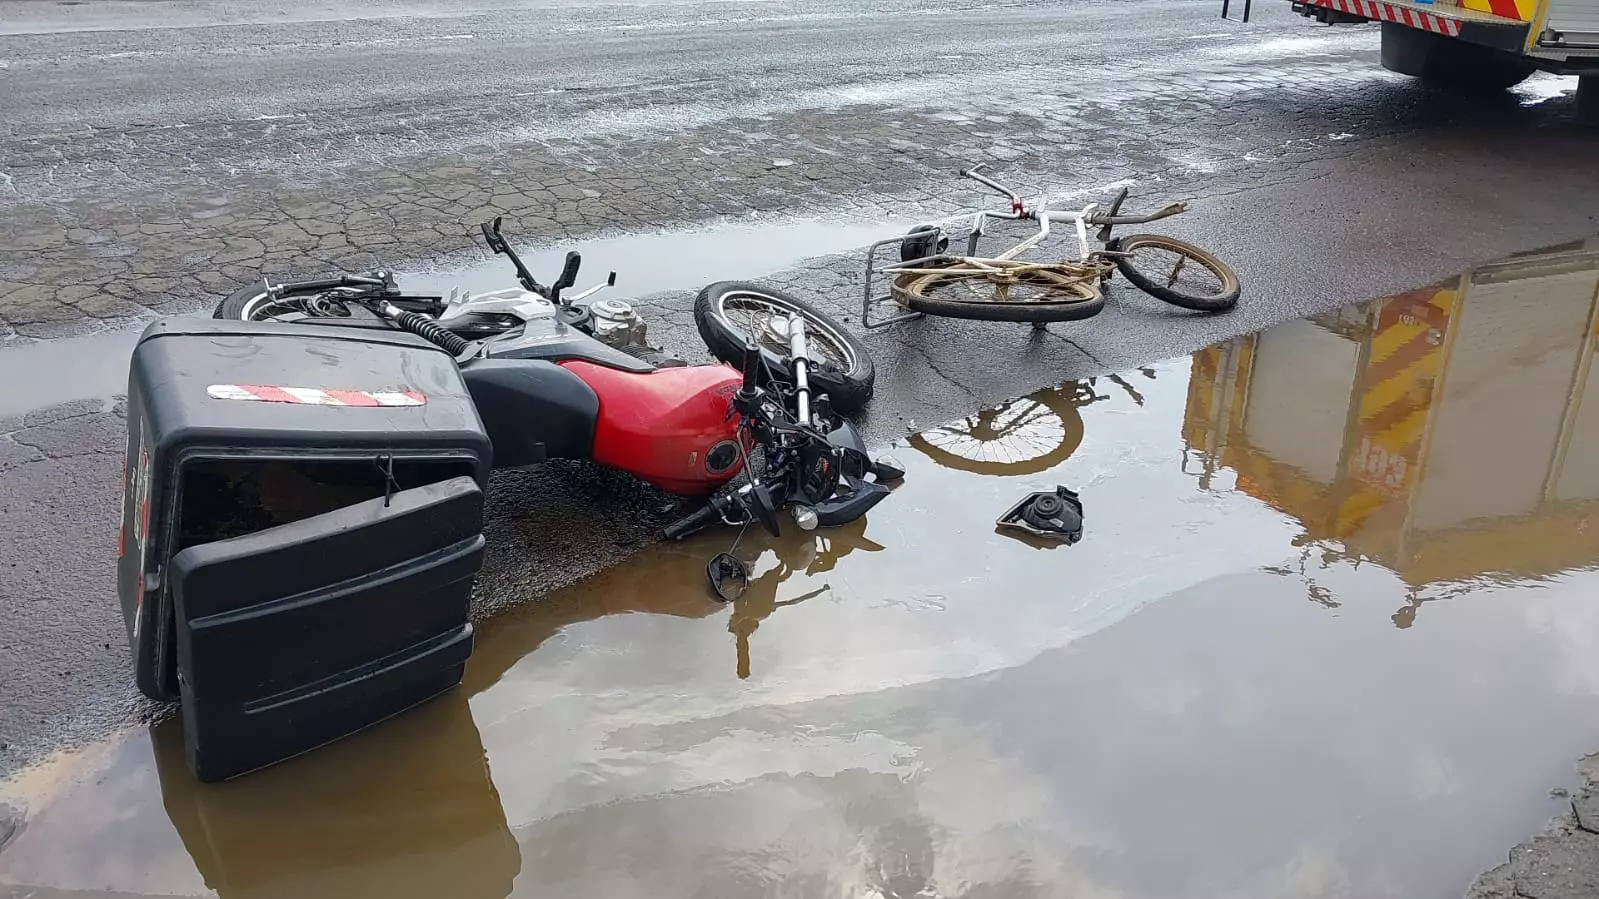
<point>1450,63</point>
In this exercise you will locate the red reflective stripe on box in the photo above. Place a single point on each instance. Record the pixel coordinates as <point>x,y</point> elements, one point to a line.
<point>315,396</point>
<point>354,398</point>
<point>272,394</point>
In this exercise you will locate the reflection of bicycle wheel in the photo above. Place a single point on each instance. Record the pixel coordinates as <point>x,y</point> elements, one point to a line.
<point>1025,436</point>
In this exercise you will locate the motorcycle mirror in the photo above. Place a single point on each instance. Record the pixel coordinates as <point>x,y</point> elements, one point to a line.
<point>729,576</point>
<point>611,281</point>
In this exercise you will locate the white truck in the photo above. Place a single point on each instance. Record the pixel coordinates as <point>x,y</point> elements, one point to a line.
<point>1478,44</point>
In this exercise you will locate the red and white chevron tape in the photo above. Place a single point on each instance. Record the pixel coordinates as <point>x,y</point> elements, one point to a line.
<point>315,396</point>
<point>1387,12</point>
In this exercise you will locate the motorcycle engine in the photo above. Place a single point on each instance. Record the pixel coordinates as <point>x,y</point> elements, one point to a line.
<point>615,323</point>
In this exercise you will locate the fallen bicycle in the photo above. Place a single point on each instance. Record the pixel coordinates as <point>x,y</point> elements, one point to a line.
<point>929,281</point>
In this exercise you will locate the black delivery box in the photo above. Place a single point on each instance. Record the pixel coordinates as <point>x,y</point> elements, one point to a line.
<point>302,524</point>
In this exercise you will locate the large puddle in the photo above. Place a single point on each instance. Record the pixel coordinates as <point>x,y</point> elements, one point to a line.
<point>1331,632</point>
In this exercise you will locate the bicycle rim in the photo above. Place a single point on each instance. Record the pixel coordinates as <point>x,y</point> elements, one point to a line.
<point>1177,270</point>
<point>755,313</point>
<point>1006,287</point>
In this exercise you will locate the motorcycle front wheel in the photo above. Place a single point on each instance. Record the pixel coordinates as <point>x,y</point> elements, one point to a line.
<point>728,314</point>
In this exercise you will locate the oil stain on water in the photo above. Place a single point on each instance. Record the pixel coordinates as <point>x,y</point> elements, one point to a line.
<point>1331,632</point>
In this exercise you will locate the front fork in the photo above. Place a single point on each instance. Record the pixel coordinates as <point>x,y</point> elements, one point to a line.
<point>799,352</point>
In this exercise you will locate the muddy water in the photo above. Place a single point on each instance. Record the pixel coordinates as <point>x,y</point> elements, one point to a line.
<point>1331,632</point>
<point>94,366</point>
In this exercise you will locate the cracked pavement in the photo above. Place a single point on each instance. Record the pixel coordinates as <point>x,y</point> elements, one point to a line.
<point>154,157</point>
<point>1560,863</point>
<point>306,147</point>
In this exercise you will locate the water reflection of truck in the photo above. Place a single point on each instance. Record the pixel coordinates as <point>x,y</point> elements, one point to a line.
<point>1480,44</point>
<point>1447,433</point>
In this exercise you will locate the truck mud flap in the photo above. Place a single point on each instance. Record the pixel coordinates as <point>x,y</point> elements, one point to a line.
<point>295,636</point>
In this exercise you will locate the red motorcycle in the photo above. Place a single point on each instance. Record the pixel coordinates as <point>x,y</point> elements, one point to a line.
<point>303,491</point>
<point>554,377</point>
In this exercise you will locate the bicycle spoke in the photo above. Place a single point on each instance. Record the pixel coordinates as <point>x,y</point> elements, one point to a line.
<point>1176,270</point>
<point>1026,285</point>
<point>1197,279</point>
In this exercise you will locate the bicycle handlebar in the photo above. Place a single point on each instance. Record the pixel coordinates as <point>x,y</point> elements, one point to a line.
<point>975,173</point>
<point>1097,219</point>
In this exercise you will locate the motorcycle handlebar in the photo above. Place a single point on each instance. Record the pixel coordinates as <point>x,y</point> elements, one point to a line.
<point>752,367</point>
<point>689,524</point>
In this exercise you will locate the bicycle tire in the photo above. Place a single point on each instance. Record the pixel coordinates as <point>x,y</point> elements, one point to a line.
<point>1220,301</point>
<point>848,387</point>
<point>1082,297</point>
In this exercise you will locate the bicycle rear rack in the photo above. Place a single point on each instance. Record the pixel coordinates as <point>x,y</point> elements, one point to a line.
<point>870,302</point>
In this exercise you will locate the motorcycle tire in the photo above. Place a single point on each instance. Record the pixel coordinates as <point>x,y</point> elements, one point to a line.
<point>236,305</point>
<point>848,381</point>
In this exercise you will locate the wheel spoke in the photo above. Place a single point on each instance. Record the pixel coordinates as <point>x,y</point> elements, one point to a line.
<point>757,314</point>
<point>1176,270</point>
<point>1030,286</point>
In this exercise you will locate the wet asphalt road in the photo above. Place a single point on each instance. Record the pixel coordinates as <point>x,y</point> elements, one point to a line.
<point>1353,681</point>
<point>153,154</point>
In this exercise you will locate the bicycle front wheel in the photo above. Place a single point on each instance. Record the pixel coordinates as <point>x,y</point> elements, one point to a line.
<point>1177,272</point>
<point>1001,292</point>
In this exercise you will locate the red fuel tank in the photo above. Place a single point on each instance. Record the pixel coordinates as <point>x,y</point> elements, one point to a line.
<point>673,427</point>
